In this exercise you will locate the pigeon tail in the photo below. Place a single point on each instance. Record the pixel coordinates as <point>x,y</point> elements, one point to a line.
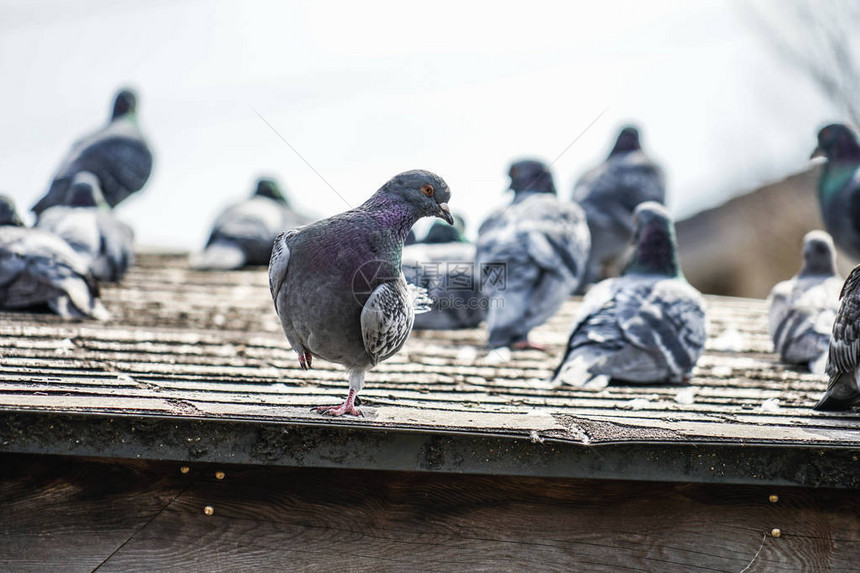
<point>841,394</point>
<point>573,373</point>
<point>219,256</point>
<point>70,306</point>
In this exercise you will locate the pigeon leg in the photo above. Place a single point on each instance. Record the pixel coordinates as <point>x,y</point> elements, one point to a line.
<point>305,359</point>
<point>528,345</point>
<point>356,383</point>
<point>348,407</point>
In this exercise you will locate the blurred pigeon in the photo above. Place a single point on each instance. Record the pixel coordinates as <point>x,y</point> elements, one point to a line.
<point>244,233</point>
<point>443,263</point>
<point>337,284</point>
<point>410,238</point>
<point>531,255</point>
<point>117,155</point>
<point>609,194</point>
<point>802,309</point>
<point>839,186</point>
<point>647,326</point>
<point>441,232</point>
<point>38,268</point>
<point>87,224</point>
<point>8,214</point>
<point>843,390</point>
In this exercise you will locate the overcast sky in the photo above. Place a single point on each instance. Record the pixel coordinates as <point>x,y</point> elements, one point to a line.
<point>365,90</point>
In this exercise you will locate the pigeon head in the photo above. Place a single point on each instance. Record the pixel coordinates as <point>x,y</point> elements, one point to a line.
<point>628,140</point>
<point>124,103</point>
<point>819,255</point>
<point>425,193</point>
<point>85,191</point>
<point>531,175</point>
<point>837,142</point>
<point>655,246</point>
<point>267,187</point>
<point>444,233</point>
<point>8,214</point>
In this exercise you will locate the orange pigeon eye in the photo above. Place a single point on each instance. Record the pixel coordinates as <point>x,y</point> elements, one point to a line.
<point>427,190</point>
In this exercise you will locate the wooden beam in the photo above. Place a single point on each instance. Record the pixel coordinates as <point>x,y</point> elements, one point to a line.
<point>59,519</point>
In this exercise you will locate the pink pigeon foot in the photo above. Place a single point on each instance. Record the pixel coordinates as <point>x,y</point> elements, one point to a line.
<point>348,407</point>
<point>528,345</point>
<point>305,359</point>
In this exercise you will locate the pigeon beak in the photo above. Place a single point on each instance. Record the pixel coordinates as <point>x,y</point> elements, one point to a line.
<point>817,153</point>
<point>445,213</point>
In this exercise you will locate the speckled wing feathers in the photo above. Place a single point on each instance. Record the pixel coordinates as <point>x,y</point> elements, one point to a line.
<point>845,341</point>
<point>647,328</point>
<point>543,245</point>
<point>386,320</point>
<point>39,268</point>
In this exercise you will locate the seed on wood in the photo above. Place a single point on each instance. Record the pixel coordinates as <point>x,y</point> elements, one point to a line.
<point>209,510</point>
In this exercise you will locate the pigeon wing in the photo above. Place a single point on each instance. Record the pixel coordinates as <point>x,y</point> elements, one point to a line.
<point>668,317</point>
<point>117,155</point>
<point>845,339</point>
<point>386,319</point>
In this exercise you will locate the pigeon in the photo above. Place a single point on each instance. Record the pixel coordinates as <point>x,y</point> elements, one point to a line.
<point>530,255</point>
<point>337,284</point>
<point>117,155</point>
<point>39,268</point>
<point>609,193</point>
<point>843,389</point>
<point>86,223</point>
<point>444,233</point>
<point>839,186</point>
<point>647,326</point>
<point>443,263</point>
<point>410,238</point>
<point>802,309</point>
<point>243,234</point>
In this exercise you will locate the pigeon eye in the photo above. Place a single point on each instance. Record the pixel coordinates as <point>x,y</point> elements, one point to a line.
<point>427,190</point>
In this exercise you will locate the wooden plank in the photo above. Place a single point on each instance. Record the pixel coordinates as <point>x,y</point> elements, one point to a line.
<point>60,515</point>
<point>373,521</point>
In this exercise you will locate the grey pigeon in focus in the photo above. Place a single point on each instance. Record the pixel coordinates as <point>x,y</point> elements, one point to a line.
<point>843,389</point>
<point>244,233</point>
<point>802,309</point>
<point>530,255</point>
<point>609,194</point>
<point>117,155</point>
<point>87,224</point>
<point>839,186</point>
<point>38,268</point>
<point>443,263</point>
<point>337,284</point>
<point>647,326</point>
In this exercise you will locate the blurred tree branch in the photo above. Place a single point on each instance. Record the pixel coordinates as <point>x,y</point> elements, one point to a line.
<point>817,37</point>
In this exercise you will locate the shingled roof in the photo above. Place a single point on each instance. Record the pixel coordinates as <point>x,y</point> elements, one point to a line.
<point>193,366</point>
